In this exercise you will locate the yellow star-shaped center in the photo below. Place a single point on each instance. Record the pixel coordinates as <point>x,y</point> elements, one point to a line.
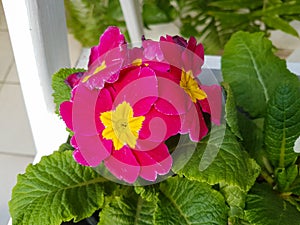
<point>121,127</point>
<point>191,87</point>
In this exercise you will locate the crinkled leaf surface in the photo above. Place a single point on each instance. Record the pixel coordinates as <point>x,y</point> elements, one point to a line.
<point>285,177</point>
<point>252,71</point>
<point>231,166</point>
<point>231,111</point>
<point>129,209</point>
<point>62,92</point>
<point>235,198</point>
<point>282,126</point>
<point>189,202</point>
<point>253,138</point>
<point>148,193</point>
<point>265,207</point>
<point>54,190</point>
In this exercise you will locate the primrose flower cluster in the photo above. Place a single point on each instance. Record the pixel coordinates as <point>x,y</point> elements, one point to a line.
<point>131,100</point>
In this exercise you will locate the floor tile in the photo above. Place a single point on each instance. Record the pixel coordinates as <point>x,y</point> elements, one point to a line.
<point>6,55</point>
<point>12,76</point>
<point>14,122</point>
<point>3,25</point>
<point>74,49</point>
<point>10,166</point>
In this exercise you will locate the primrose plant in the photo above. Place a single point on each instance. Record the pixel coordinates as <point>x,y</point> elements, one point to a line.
<point>154,138</point>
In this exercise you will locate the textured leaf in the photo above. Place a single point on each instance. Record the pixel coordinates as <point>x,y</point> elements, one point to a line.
<point>54,190</point>
<point>235,198</point>
<point>285,177</point>
<point>62,92</point>
<point>149,193</point>
<point>295,187</point>
<point>231,111</point>
<point>231,166</point>
<point>252,71</point>
<point>253,138</point>
<point>265,207</point>
<point>189,202</point>
<point>282,126</point>
<point>131,209</point>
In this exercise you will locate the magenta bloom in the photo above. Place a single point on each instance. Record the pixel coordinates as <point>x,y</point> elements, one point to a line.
<point>129,102</point>
<point>186,59</point>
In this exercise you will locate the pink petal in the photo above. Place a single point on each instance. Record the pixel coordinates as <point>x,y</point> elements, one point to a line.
<point>123,165</point>
<point>93,149</point>
<point>214,97</point>
<point>194,124</point>
<point>73,79</point>
<point>152,50</point>
<point>110,39</point>
<point>114,62</point>
<point>132,55</point>
<point>140,93</point>
<point>79,158</point>
<point>172,93</point>
<point>180,41</point>
<point>197,49</point>
<point>157,66</point>
<point>171,52</point>
<point>84,108</point>
<point>143,106</point>
<point>156,161</point>
<point>191,61</point>
<point>103,104</point>
<point>158,127</point>
<point>66,113</point>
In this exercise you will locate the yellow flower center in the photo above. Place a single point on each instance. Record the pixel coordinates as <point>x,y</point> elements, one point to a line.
<point>191,87</point>
<point>137,62</point>
<point>120,126</point>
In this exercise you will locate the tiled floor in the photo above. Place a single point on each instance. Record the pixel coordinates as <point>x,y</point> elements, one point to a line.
<point>16,144</point>
<point>17,148</point>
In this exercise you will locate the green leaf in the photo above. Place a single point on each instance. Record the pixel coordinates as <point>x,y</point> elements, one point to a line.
<point>231,111</point>
<point>149,193</point>
<point>155,12</point>
<point>65,147</point>
<point>54,190</point>
<point>252,71</point>
<point>62,92</point>
<point>265,207</point>
<point>88,19</point>
<point>282,126</point>
<point>287,8</point>
<point>285,177</point>
<point>189,202</point>
<point>237,4</point>
<point>235,198</point>
<point>131,209</point>
<point>279,24</point>
<point>295,187</point>
<point>252,137</point>
<point>231,166</point>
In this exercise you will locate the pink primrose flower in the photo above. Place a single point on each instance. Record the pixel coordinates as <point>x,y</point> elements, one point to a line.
<point>130,101</point>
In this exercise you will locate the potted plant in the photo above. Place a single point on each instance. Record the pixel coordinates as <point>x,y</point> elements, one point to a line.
<point>153,140</point>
